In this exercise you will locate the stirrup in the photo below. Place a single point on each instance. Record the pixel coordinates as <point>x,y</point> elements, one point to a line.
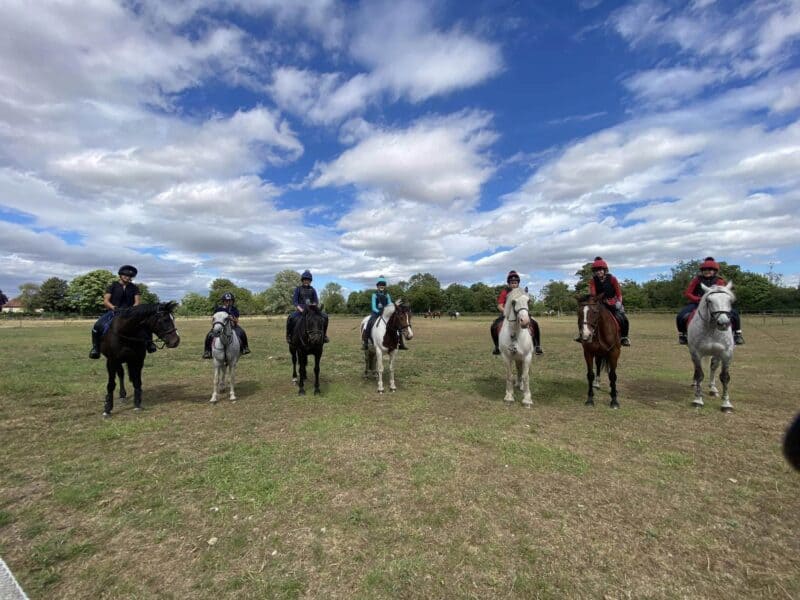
<point>682,339</point>
<point>94,353</point>
<point>625,341</point>
<point>538,350</point>
<point>245,350</point>
<point>496,351</point>
<point>151,347</point>
<point>738,339</point>
<point>207,354</point>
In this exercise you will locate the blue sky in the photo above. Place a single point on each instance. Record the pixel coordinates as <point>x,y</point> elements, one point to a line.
<point>203,139</point>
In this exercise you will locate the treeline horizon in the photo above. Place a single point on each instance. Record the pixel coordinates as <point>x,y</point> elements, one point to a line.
<point>83,295</point>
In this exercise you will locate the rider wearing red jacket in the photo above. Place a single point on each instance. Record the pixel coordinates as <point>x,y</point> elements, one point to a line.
<point>708,276</point>
<point>513,282</point>
<point>606,286</point>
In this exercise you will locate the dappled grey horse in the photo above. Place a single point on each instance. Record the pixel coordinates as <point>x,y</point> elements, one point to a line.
<point>710,334</point>
<point>225,352</point>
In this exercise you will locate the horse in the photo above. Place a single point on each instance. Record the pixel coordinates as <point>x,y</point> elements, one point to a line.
<point>709,334</point>
<point>126,343</point>
<point>437,314</point>
<point>307,338</point>
<point>601,344</point>
<point>516,345</point>
<point>225,352</point>
<point>385,340</point>
<point>454,314</point>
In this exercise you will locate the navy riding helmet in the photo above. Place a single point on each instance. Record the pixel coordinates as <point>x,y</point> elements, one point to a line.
<point>128,270</point>
<point>306,275</point>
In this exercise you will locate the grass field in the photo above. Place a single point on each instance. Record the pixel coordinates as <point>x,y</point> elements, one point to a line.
<point>437,491</point>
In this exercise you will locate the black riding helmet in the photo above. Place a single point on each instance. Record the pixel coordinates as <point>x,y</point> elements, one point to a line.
<point>128,270</point>
<point>227,296</point>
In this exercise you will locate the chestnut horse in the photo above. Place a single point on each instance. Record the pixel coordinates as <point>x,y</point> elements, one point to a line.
<point>601,343</point>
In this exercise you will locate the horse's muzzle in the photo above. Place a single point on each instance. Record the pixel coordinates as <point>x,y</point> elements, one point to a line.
<point>172,341</point>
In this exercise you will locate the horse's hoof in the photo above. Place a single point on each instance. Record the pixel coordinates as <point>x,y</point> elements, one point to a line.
<point>317,392</point>
<point>527,404</point>
<point>213,401</point>
<point>301,392</point>
<point>123,397</point>
<point>589,403</point>
<point>106,415</point>
<point>137,409</point>
<point>697,404</point>
<point>596,385</point>
<point>614,404</point>
<point>726,409</point>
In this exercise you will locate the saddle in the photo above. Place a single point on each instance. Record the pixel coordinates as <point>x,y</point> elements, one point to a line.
<point>498,325</point>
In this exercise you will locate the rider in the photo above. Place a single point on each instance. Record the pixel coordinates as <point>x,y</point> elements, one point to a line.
<point>120,294</point>
<point>708,276</point>
<point>380,300</point>
<point>606,286</point>
<point>227,304</point>
<point>3,298</point>
<point>304,294</point>
<point>512,279</point>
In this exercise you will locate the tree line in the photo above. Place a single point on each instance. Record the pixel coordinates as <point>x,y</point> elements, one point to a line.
<point>423,291</point>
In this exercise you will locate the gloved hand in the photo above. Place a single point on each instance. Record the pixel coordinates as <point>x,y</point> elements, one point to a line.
<point>619,306</point>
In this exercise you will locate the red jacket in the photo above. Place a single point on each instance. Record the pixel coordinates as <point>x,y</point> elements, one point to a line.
<point>694,292</point>
<point>501,299</point>
<point>611,285</point>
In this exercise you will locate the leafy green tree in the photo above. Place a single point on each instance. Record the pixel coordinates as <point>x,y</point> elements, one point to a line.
<point>146,296</point>
<point>278,297</point>
<point>584,275</point>
<point>634,295</point>
<point>85,292</point>
<point>194,304</point>
<point>53,295</point>
<point>332,299</point>
<point>557,296</point>
<point>425,292</point>
<point>458,297</point>
<point>484,298</point>
<point>360,303</point>
<point>754,292</point>
<point>244,297</point>
<point>29,296</point>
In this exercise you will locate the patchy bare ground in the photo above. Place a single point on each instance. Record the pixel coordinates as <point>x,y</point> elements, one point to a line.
<point>436,491</point>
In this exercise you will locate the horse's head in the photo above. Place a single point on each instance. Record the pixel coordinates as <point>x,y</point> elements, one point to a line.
<point>717,302</point>
<point>220,324</point>
<point>313,328</point>
<point>588,317</point>
<point>163,324</point>
<point>516,308</point>
<point>403,313</point>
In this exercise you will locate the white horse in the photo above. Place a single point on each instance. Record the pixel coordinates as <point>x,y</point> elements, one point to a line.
<point>385,340</point>
<point>225,352</point>
<point>516,345</point>
<point>710,334</point>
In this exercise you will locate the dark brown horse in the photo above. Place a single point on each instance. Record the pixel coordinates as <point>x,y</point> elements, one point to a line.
<point>307,339</point>
<point>601,344</point>
<point>126,342</point>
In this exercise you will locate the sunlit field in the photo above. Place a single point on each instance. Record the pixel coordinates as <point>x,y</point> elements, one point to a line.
<point>439,490</point>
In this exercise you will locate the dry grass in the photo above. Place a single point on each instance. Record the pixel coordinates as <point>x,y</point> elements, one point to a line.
<point>437,491</point>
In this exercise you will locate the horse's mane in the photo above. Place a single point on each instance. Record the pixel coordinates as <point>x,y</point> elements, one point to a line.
<point>722,288</point>
<point>142,311</point>
<point>514,294</point>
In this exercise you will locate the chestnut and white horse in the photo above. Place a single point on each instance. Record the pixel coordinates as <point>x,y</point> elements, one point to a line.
<point>225,352</point>
<point>710,334</point>
<point>384,340</point>
<point>516,345</point>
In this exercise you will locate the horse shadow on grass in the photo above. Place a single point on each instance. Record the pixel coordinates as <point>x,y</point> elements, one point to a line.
<point>543,391</point>
<point>190,392</point>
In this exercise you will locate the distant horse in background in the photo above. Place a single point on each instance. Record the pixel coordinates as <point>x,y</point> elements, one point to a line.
<point>384,339</point>
<point>454,314</point>
<point>516,345</point>
<point>225,352</point>
<point>307,339</point>
<point>601,344</point>
<point>126,342</point>
<point>709,334</point>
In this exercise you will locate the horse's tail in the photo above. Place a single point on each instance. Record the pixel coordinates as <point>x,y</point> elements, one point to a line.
<point>603,364</point>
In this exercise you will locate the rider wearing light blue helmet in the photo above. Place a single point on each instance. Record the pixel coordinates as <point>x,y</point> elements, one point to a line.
<point>304,294</point>
<point>380,300</point>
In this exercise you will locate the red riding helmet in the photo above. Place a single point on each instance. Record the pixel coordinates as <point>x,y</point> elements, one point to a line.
<point>599,263</point>
<point>709,263</point>
<point>512,275</point>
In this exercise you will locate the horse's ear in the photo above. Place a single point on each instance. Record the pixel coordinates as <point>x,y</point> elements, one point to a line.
<point>399,302</point>
<point>170,306</point>
<point>704,287</point>
<point>729,286</point>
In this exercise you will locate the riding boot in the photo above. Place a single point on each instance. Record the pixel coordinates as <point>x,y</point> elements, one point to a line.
<point>245,347</point>
<point>95,351</point>
<point>682,339</point>
<point>537,340</point>
<point>364,344</point>
<point>738,339</point>
<point>495,339</point>
<point>207,346</point>
<point>624,326</point>
<point>289,329</point>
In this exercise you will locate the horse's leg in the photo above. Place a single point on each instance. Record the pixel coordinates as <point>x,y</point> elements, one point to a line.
<point>587,357</point>
<point>612,376</point>
<point>697,380</point>
<point>392,356</point>
<point>598,371</point>
<point>379,368</point>
<point>294,364</point>
<point>366,363</point>
<point>232,378</point>
<point>725,377</point>
<point>303,359</point>
<point>135,373</point>
<point>123,393</point>
<point>216,382</point>
<point>712,376</point>
<point>111,368</point>
<point>317,360</point>
<point>526,382</point>
<point>510,379</point>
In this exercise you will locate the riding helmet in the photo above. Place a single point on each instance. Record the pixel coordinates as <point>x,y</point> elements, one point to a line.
<point>227,296</point>
<point>381,280</point>
<point>709,263</point>
<point>128,270</point>
<point>599,263</point>
<point>306,275</point>
<point>512,275</point>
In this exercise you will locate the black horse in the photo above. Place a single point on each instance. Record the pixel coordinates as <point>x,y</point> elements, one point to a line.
<point>308,337</point>
<point>126,342</point>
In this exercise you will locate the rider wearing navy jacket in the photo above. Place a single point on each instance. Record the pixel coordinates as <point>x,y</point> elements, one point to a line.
<point>606,286</point>
<point>304,294</point>
<point>227,304</point>
<point>380,300</point>
<point>120,294</point>
<point>708,276</point>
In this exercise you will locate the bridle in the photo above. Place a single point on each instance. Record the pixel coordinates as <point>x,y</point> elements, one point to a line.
<point>713,315</point>
<point>516,310</point>
<point>225,333</point>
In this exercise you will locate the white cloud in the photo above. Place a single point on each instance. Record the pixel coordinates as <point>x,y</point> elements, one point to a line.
<point>668,86</point>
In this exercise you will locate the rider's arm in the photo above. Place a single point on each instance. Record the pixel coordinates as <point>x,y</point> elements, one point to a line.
<point>617,291</point>
<point>296,299</point>
<point>374,303</point>
<point>137,299</point>
<point>689,293</point>
<point>107,301</point>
